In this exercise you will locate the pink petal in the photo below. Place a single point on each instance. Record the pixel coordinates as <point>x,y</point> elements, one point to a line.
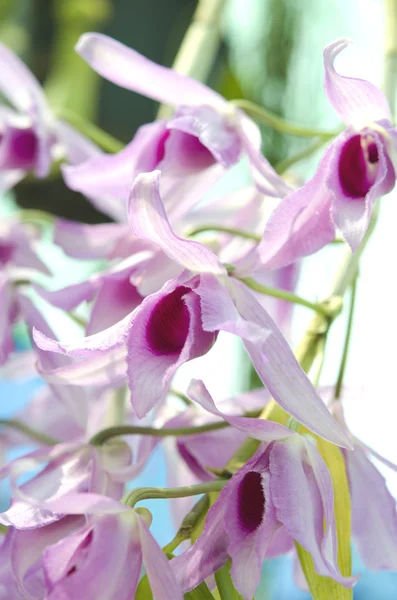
<point>149,221</point>
<point>166,333</point>
<point>126,68</point>
<point>355,100</point>
<point>374,518</point>
<point>302,491</point>
<point>161,577</point>
<point>80,240</point>
<point>283,376</point>
<point>259,429</point>
<point>300,225</point>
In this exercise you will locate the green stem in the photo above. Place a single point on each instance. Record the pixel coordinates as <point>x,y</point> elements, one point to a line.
<point>174,543</point>
<point>32,433</point>
<point>181,396</point>
<point>103,139</point>
<point>268,118</point>
<point>322,309</point>
<point>32,215</point>
<point>283,165</point>
<point>342,368</point>
<point>146,493</point>
<point>233,231</point>
<point>224,583</point>
<point>106,434</point>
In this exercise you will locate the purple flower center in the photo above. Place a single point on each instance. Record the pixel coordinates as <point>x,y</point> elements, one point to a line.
<point>251,501</point>
<point>160,150</point>
<point>6,251</point>
<point>168,325</point>
<point>358,166</point>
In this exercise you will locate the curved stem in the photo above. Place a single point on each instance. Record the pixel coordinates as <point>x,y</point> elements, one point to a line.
<point>342,368</point>
<point>106,434</point>
<point>283,165</point>
<point>322,309</point>
<point>103,139</point>
<point>146,493</point>
<point>181,396</point>
<point>233,231</point>
<point>268,118</point>
<point>224,583</point>
<point>32,433</point>
<point>33,215</point>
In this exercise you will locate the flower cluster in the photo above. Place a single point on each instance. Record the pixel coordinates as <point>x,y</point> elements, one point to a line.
<point>161,296</point>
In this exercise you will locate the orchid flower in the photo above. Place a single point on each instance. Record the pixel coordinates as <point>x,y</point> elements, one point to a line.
<point>30,136</point>
<point>205,129</point>
<point>103,557</point>
<point>285,485</point>
<point>356,169</point>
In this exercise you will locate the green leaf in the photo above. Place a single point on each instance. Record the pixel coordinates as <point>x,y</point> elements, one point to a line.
<point>324,588</point>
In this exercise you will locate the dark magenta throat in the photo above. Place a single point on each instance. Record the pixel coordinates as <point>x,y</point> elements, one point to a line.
<point>168,325</point>
<point>251,501</point>
<point>358,166</point>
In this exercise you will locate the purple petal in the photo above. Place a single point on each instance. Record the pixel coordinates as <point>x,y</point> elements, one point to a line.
<point>166,333</point>
<point>374,518</point>
<point>106,179</point>
<point>85,504</point>
<point>148,220</point>
<point>212,129</point>
<point>102,342</point>
<point>19,85</point>
<point>126,68</point>
<point>300,225</point>
<point>359,181</point>
<point>355,100</point>
<point>80,240</point>
<point>104,560</point>
<point>28,547</point>
<point>219,312</point>
<point>209,553</point>
<point>251,524</point>
<point>265,177</point>
<point>19,147</point>
<point>259,429</point>
<point>161,576</point>
<point>283,376</point>
<point>302,491</point>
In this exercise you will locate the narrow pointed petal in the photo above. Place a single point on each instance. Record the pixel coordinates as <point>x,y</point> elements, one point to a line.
<point>108,368</point>
<point>374,517</point>
<point>161,577</point>
<point>300,225</point>
<point>80,240</point>
<point>284,377</point>
<point>209,553</point>
<point>149,221</point>
<point>18,84</point>
<point>265,431</point>
<point>127,68</point>
<point>355,100</point>
<point>265,177</point>
<point>106,178</point>
<point>85,504</point>
<point>220,314</point>
<point>302,504</point>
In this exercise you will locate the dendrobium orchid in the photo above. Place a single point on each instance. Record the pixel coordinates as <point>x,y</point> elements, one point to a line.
<point>182,266</point>
<point>204,129</point>
<point>286,485</point>
<point>357,168</point>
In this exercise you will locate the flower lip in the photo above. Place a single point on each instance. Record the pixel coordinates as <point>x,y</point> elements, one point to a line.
<point>168,324</point>
<point>358,165</point>
<point>19,148</point>
<point>251,501</point>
